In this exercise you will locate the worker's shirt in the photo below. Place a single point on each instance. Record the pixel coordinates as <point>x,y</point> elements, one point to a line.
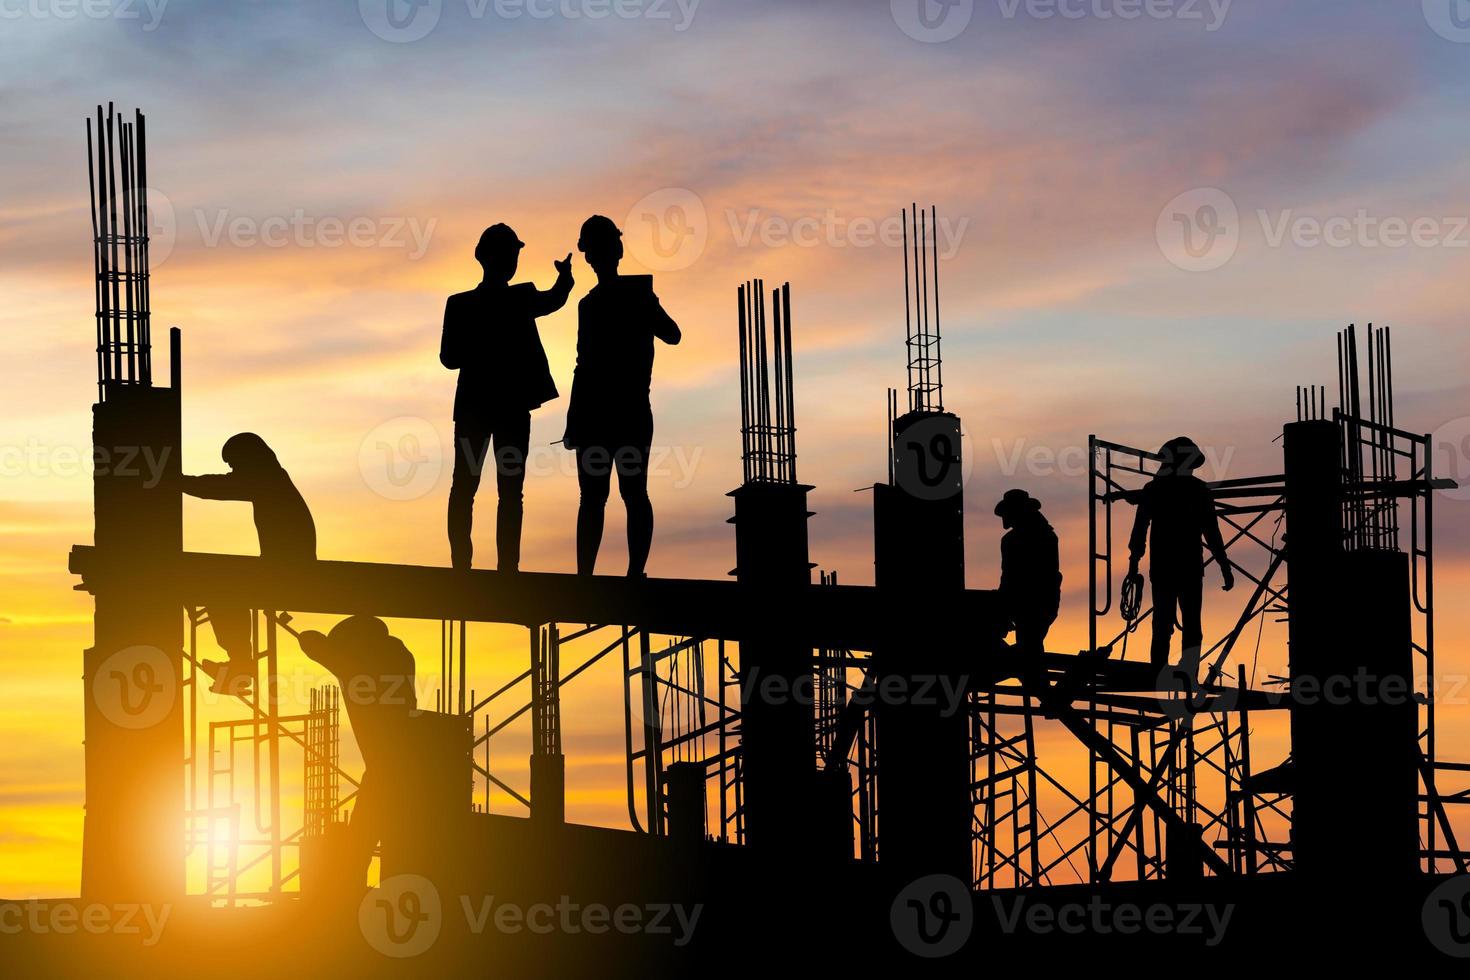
<point>617,323</point>
<point>1180,512</point>
<point>1030,566</point>
<point>282,520</point>
<point>490,337</point>
<point>377,684</point>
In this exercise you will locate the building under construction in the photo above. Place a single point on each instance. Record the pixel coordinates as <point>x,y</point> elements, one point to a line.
<point>790,770</point>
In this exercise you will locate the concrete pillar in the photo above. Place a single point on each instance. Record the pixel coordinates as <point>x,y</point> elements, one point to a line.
<point>133,834</point>
<point>924,798</point>
<point>778,722</point>
<point>1353,720</point>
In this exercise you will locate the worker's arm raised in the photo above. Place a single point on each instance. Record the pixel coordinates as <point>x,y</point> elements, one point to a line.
<point>547,301</point>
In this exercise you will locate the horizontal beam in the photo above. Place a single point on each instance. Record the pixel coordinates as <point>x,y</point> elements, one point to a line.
<point>839,616</point>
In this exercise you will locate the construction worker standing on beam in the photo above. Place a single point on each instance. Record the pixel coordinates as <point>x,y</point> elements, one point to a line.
<point>1030,571</point>
<point>610,420</point>
<point>1180,510</point>
<point>490,337</point>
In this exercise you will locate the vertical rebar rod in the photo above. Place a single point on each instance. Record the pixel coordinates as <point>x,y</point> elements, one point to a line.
<point>96,256</point>
<point>125,169</point>
<point>908,329</point>
<point>790,385</point>
<point>781,336</point>
<point>938,339</point>
<point>916,343</point>
<point>145,288</point>
<point>741,309</point>
<point>924,338</point>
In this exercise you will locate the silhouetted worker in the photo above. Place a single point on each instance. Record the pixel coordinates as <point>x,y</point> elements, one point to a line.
<point>1030,570</point>
<point>375,672</point>
<point>490,337</point>
<point>1179,508</point>
<point>286,531</point>
<point>609,420</point>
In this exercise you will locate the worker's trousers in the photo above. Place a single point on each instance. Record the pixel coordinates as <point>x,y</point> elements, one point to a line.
<point>511,437</point>
<point>1182,594</point>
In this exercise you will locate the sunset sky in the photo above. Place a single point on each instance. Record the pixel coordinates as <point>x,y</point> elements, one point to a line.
<point>321,174</point>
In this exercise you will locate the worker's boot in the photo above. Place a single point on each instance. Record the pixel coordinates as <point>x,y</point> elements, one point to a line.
<point>233,677</point>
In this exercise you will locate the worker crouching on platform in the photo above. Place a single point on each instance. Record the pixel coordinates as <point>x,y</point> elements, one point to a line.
<point>375,672</point>
<point>1030,570</point>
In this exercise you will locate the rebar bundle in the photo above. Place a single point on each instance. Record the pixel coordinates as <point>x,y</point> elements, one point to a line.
<point>920,317</point>
<point>1370,456</point>
<point>117,173</point>
<point>767,426</point>
<point>323,738</point>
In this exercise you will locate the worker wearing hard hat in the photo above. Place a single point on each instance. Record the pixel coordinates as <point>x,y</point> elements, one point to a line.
<point>286,531</point>
<point>610,420</point>
<point>490,337</point>
<point>1030,570</point>
<point>1175,521</point>
<point>375,672</point>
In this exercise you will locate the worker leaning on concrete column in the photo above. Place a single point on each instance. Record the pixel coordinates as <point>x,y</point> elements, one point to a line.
<point>286,531</point>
